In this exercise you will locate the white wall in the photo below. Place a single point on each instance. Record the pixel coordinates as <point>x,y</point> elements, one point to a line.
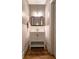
<point>49,29</point>
<point>53,27</point>
<point>37,10</point>
<point>25,30</point>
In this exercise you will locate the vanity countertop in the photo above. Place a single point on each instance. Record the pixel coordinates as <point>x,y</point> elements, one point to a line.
<point>37,29</point>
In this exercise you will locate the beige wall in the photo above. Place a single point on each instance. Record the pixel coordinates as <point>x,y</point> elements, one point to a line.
<point>47,27</point>
<point>53,26</point>
<point>25,30</point>
<point>50,33</point>
<point>37,8</point>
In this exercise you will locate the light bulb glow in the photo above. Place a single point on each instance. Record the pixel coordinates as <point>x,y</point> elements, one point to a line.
<point>38,14</point>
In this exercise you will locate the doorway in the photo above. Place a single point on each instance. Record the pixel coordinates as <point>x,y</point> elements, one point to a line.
<point>39,30</point>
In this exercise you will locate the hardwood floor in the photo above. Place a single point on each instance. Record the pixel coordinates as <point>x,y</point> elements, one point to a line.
<point>38,53</point>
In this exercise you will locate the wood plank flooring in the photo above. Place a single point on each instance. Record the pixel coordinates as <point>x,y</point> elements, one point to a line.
<point>38,53</point>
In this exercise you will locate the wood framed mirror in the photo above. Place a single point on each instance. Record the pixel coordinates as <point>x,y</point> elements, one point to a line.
<point>37,21</point>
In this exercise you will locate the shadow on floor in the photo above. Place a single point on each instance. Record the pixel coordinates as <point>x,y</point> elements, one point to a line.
<point>38,53</point>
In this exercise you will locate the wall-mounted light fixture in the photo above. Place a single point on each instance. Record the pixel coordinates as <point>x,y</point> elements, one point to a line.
<point>37,14</point>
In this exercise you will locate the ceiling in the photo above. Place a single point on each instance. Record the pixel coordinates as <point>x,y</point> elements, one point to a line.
<point>42,2</point>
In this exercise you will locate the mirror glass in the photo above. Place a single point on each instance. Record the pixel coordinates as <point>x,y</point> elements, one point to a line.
<point>37,21</point>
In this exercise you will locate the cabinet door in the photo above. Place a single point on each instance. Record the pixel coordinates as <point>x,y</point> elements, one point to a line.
<point>41,36</point>
<point>33,36</point>
<point>37,36</point>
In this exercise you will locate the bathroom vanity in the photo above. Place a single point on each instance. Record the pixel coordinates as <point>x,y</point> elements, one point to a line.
<point>37,32</point>
<point>37,39</point>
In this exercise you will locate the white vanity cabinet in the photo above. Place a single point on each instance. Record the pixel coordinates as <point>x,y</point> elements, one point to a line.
<point>37,39</point>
